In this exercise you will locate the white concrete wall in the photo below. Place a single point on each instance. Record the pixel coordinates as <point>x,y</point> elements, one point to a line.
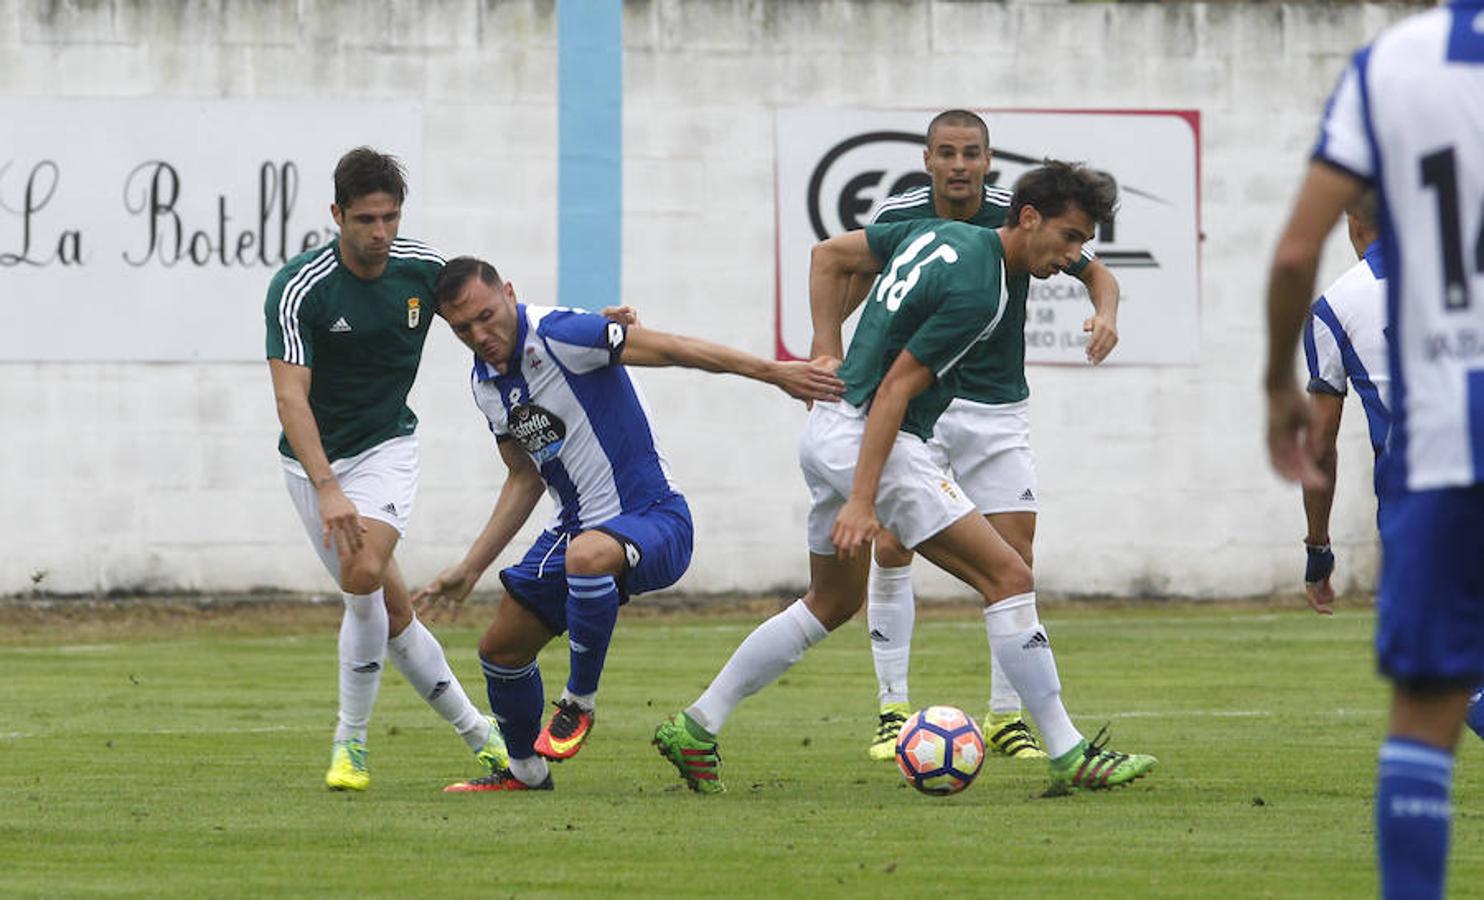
<point>1154,480</point>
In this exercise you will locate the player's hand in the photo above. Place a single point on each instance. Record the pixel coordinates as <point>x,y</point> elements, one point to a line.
<point>855,528</point>
<point>342,529</point>
<point>448,591</point>
<point>625,315</point>
<point>807,381</point>
<point>1102,337</point>
<point>1318,566</point>
<point>1288,446</point>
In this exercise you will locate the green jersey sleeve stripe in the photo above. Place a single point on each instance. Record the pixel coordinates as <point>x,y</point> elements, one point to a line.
<point>900,201</point>
<point>988,329</point>
<point>412,245</point>
<point>293,297</point>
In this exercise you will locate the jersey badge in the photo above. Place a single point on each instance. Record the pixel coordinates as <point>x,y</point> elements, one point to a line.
<point>533,359</point>
<point>414,311</point>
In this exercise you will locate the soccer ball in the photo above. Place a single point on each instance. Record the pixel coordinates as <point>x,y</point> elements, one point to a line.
<point>940,750</point>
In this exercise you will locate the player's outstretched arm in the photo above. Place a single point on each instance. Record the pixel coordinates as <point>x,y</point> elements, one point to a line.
<point>802,381</point>
<point>1323,196</point>
<point>341,525</point>
<point>856,525</point>
<point>1102,326</point>
<point>518,497</point>
<point>1319,563</point>
<point>833,267</point>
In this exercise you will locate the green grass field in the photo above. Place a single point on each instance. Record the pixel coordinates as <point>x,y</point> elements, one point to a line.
<point>171,763</point>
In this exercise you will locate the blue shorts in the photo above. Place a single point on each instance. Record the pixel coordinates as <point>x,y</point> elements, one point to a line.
<point>1430,615</point>
<point>657,543</point>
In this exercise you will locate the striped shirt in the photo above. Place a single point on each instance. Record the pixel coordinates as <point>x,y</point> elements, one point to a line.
<point>362,339</point>
<point>1408,117</point>
<point>575,411</point>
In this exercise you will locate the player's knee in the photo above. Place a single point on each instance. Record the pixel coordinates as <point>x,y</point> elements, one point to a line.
<point>495,648</point>
<point>1013,578</point>
<point>594,553</point>
<point>833,609</point>
<point>361,576</point>
<point>890,554</point>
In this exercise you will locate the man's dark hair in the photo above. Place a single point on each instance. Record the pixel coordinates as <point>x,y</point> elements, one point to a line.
<point>363,171</point>
<point>1365,210</point>
<point>457,273</point>
<point>1053,186</point>
<point>961,118</point>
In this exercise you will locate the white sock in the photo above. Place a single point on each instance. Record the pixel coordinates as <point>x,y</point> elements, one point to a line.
<point>420,659</point>
<point>891,611</point>
<point>764,655</point>
<point>588,702</point>
<point>1019,642</point>
<point>532,770</point>
<point>363,630</point>
<point>1003,698</point>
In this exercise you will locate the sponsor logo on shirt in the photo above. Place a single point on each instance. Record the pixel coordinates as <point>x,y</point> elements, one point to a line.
<point>539,431</point>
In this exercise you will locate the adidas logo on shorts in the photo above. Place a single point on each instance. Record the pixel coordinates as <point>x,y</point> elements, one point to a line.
<point>1028,495</point>
<point>390,508</point>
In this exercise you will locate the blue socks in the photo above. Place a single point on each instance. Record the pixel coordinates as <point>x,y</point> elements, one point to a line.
<point>516,699</point>
<point>1414,811</point>
<point>592,611</point>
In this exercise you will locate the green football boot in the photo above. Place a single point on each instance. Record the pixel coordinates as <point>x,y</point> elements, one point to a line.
<point>695,758</point>
<point>1092,766</point>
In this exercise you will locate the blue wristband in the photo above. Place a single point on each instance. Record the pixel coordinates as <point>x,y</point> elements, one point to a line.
<point>1320,563</point>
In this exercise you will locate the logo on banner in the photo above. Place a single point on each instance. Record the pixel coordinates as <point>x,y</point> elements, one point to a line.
<point>860,171</point>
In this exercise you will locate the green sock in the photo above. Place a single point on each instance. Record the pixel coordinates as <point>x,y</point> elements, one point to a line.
<point>696,731</point>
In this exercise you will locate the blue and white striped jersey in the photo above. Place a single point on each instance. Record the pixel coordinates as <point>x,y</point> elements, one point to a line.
<point>1408,116</point>
<point>573,408</point>
<point>1345,341</point>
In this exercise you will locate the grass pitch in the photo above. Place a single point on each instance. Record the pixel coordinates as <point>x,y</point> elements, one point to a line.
<point>187,763</point>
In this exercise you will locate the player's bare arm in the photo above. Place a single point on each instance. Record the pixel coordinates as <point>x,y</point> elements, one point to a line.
<point>800,380</point>
<point>1323,196</point>
<point>856,525</point>
<point>1324,431</point>
<point>518,497</point>
<point>341,523</point>
<point>1101,327</point>
<point>832,264</point>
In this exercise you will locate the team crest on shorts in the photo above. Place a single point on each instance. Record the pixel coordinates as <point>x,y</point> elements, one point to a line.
<point>414,311</point>
<point>947,487</point>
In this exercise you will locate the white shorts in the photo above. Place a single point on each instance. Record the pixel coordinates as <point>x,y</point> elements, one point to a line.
<point>917,497</point>
<point>988,449</point>
<point>380,482</point>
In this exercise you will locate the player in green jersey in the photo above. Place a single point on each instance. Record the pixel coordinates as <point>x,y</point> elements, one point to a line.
<point>944,287</point>
<point>346,324</point>
<point>984,435</point>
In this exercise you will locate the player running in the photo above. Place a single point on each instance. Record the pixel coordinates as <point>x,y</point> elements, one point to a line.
<point>1408,119</point>
<point>346,325</point>
<point>947,285</point>
<point>984,435</point>
<point>568,421</point>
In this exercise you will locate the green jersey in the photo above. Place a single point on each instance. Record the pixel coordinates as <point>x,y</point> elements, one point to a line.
<point>994,371</point>
<point>941,290</point>
<point>362,339</point>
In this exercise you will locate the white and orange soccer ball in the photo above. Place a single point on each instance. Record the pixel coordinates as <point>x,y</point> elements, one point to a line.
<point>940,750</point>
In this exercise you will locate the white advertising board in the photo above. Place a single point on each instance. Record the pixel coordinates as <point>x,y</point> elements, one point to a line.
<point>834,165</point>
<point>147,230</point>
